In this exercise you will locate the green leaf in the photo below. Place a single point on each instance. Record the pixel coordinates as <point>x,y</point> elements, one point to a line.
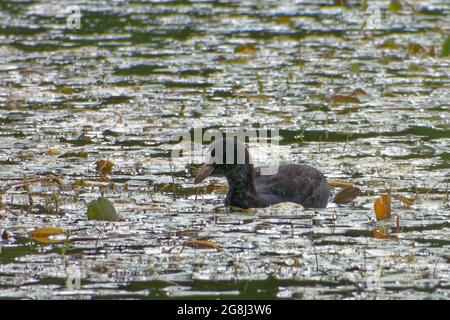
<point>102,209</point>
<point>395,6</point>
<point>445,52</point>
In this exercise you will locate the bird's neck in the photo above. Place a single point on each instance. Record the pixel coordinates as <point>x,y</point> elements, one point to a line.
<point>242,192</point>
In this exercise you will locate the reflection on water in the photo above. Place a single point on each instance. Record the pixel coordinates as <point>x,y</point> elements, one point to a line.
<point>134,75</point>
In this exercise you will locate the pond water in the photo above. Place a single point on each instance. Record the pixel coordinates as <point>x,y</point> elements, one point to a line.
<point>136,75</point>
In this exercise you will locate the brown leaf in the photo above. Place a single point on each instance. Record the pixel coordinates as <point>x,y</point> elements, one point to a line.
<point>382,207</point>
<point>104,167</point>
<point>359,93</point>
<point>346,195</point>
<point>203,244</point>
<point>336,99</point>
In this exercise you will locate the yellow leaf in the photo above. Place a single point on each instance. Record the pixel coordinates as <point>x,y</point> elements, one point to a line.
<point>382,207</point>
<point>340,184</point>
<point>42,235</point>
<point>53,152</point>
<point>203,244</point>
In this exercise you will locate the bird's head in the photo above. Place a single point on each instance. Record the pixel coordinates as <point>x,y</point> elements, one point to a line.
<point>224,158</point>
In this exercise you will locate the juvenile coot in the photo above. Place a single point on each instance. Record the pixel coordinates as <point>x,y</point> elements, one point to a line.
<point>248,188</point>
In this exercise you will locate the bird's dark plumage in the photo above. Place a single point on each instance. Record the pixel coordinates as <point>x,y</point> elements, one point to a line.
<point>248,188</point>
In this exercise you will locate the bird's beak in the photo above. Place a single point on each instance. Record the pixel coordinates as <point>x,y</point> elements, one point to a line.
<point>205,171</point>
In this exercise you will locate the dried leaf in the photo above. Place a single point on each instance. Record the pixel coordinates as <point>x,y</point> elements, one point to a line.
<point>203,244</point>
<point>336,99</point>
<point>346,195</point>
<point>104,167</point>
<point>382,207</point>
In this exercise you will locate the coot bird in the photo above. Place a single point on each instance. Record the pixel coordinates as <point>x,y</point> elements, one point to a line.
<point>248,188</point>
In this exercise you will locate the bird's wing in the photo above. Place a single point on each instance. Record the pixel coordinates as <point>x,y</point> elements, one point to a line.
<point>296,183</point>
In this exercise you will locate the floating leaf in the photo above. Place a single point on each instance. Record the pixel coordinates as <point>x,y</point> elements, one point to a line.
<point>82,154</point>
<point>285,20</point>
<point>336,99</point>
<point>415,49</point>
<point>382,207</point>
<point>389,44</point>
<point>53,152</point>
<point>65,90</point>
<point>359,93</point>
<point>245,49</point>
<point>80,184</point>
<point>346,195</point>
<point>222,59</point>
<point>43,235</point>
<point>340,184</point>
<point>383,233</point>
<point>203,244</point>
<point>104,167</point>
<point>445,51</point>
<point>395,6</point>
<point>102,209</point>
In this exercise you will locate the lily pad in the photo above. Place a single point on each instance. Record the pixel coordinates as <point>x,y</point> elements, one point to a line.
<point>102,209</point>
